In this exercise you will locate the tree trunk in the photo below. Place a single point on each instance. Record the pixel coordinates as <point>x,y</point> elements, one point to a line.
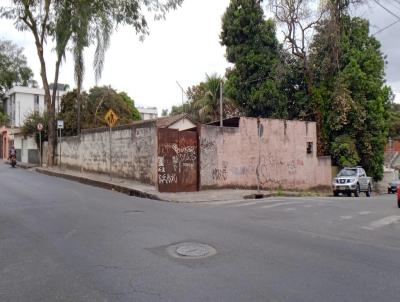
<point>78,92</point>
<point>51,110</point>
<point>48,103</point>
<point>40,40</point>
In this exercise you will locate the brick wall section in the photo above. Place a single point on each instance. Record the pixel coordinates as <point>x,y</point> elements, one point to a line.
<point>134,150</point>
<point>229,157</point>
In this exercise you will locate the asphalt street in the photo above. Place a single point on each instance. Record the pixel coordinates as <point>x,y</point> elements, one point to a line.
<point>65,241</point>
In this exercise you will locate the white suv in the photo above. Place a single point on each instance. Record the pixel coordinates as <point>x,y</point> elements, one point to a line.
<point>352,180</point>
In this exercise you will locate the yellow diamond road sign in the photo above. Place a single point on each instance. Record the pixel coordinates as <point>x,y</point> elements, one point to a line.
<point>111,118</point>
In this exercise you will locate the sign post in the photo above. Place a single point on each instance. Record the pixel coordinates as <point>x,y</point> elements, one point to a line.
<point>111,119</point>
<point>60,126</point>
<point>40,128</point>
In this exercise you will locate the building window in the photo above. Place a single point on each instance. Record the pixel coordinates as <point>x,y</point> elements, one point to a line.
<point>309,147</point>
<point>36,103</point>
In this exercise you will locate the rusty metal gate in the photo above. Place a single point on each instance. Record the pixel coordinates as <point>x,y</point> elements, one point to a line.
<point>177,160</point>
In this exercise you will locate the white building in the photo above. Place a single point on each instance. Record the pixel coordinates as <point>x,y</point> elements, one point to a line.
<point>21,101</point>
<point>148,113</point>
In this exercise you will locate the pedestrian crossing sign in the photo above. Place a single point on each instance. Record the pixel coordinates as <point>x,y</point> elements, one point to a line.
<point>111,118</point>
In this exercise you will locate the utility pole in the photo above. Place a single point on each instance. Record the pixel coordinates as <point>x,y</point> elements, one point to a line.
<point>259,153</point>
<point>19,114</point>
<point>183,92</point>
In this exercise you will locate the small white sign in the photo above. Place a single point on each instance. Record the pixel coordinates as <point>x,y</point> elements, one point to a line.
<point>40,127</point>
<point>60,124</point>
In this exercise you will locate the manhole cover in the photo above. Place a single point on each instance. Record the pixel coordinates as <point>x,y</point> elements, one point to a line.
<point>191,250</point>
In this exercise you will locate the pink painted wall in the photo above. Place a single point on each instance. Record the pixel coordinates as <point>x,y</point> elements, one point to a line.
<point>230,157</point>
<point>4,143</point>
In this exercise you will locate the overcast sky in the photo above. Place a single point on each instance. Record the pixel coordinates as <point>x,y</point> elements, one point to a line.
<point>184,48</point>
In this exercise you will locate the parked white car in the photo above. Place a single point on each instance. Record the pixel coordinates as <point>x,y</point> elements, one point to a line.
<point>352,180</point>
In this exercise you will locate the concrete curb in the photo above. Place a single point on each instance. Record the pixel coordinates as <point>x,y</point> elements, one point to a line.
<point>101,184</point>
<point>23,166</point>
<point>143,194</point>
<point>20,165</point>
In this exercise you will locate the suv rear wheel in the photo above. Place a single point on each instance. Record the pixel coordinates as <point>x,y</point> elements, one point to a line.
<point>357,192</point>
<point>368,193</point>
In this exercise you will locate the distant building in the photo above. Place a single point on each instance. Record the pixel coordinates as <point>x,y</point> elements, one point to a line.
<point>21,101</point>
<point>148,113</point>
<point>180,122</point>
<point>18,104</point>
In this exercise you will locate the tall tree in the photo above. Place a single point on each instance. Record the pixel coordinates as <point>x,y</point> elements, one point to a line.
<point>14,69</point>
<point>251,45</point>
<point>299,19</point>
<point>353,95</point>
<point>207,106</point>
<point>58,20</point>
<point>94,106</point>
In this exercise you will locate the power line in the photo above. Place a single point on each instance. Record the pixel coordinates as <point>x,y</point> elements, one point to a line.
<point>386,27</point>
<point>388,10</point>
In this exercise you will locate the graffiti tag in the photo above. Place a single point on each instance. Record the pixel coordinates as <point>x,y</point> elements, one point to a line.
<point>167,178</point>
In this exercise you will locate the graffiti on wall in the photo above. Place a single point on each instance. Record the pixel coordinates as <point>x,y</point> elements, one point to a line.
<point>143,132</point>
<point>220,174</point>
<point>182,154</point>
<point>271,169</point>
<point>177,164</point>
<point>186,154</point>
<point>168,178</point>
<point>160,165</point>
<point>165,177</point>
<point>207,144</point>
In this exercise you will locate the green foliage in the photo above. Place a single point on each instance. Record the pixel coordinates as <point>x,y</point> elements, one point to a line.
<point>130,103</point>
<point>344,151</point>
<point>204,101</point>
<point>164,112</point>
<point>294,86</point>
<point>3,117</point>
<point>30,126</point>
<point>69,110</point>
<point>94,106</point>
<point>208,105</point>
<point>13,67</point>
<point>353,99</point>
<point>251,45</point>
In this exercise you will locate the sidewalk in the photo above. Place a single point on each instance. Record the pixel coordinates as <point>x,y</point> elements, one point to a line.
<point>134,188</point>
<point>19,164</point>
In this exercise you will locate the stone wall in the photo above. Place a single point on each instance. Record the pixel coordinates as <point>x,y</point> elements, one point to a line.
<point>134,149</point>
<point>276,156</point>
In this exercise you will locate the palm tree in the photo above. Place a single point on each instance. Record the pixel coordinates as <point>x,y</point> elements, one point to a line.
<point>90,24</point>
<point>208,107</point>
